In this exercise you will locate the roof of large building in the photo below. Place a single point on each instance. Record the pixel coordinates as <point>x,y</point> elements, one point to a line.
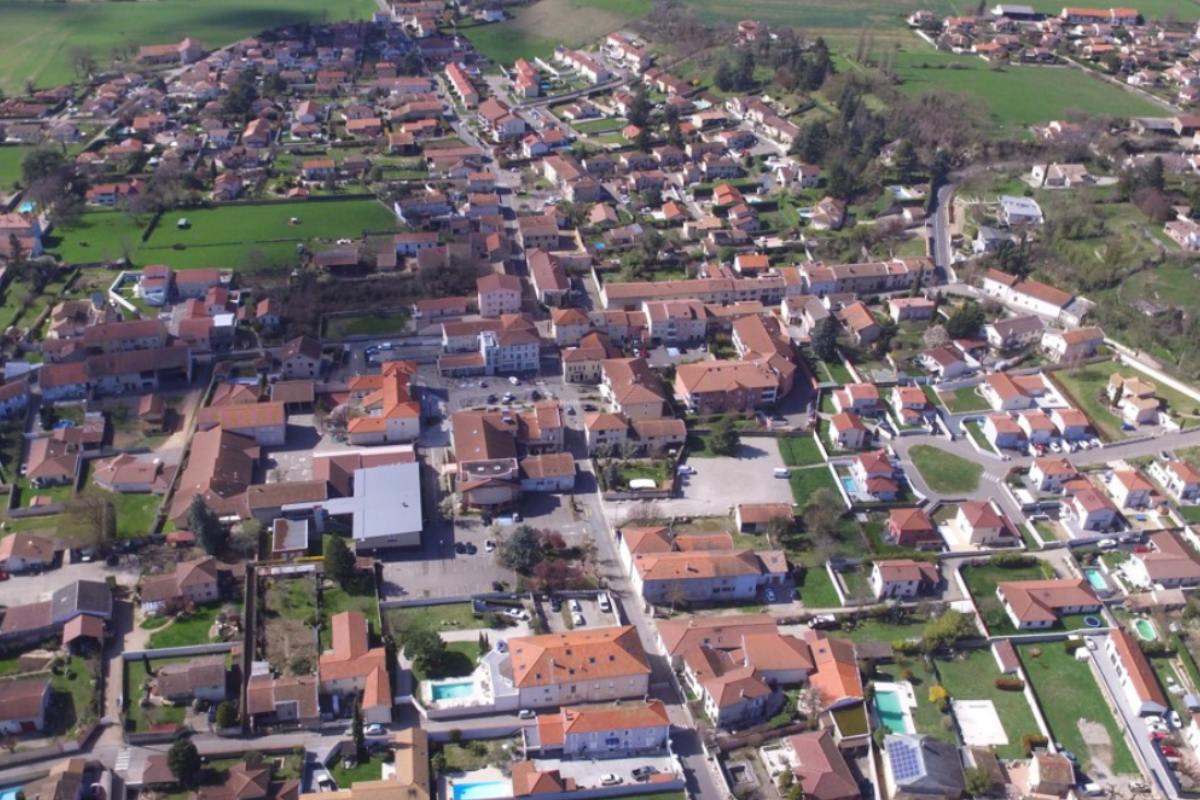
<point>578,655</point>
<point>554,728</point>
<point>837,677</point>
<point>682,634</point>
<point>1039,600</point>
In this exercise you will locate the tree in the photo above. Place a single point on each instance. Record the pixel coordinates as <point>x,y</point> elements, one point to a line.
<point>724,438</point>
<point>965,321</point>
<point>978,781</point>
<point>90,521</point>
<point>42,162</point>
<point>821,516</point>
<point>424,647</point>
<point>356,730</point>
<point>206,526</point>
<point>639,108</point>
<point>521,551</point>
<point>904,160</point>
<point>943,631</point>
<point>339,561</point>
<point>824,339</point>
<point>812,143</point>
<point>1155,177</point>
<point>227,715</point>
<point>183,759</point>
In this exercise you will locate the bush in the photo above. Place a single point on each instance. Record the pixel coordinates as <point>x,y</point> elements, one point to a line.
<point>1009,683</point>
<point>1071,645</point>
<point>1031,742</point>
<point>938,694</point>
<point>1012,561</point>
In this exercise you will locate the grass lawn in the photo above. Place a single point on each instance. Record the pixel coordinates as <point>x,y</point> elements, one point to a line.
<point>1016,95</point>
<point>926,716</point>
<point>470,756</point>
<point>192,629</point>
<point>817,589</point>
<point>982,579</point>
<point>976,432</point>
<point>1164,668</point>
<point>335,599</point>
<point>807,481</point>
<point>289,612</point>
<point>971,676</point>
<point>535,30</point>
<point>451,615</point>
<point>461,659</point>
<point>945,472</point>
<point>800,451</point>
<point>603,125</point>
<point>369,770</point>
<point>74,695</point>
<point>97,236</point>
<point>1190,513</point>
<point>857,583</point>
<point>963,400</point>
<point>1068,693</point>
<point>135,512</point>
<point>656,471</point>
<point>873,630</point>
<point>39,37</point>
<point>1085,388</point>
<point>369,325</point>
<point>11,157</point>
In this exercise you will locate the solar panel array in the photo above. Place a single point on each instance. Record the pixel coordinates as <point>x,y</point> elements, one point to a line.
<point>906,762</point>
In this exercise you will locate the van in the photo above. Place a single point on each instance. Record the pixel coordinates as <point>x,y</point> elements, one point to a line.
<point>782,472</point>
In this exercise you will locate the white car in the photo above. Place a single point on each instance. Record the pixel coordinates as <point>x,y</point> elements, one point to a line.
<point>375,729</point>
<point>573,604</point>
<point>1106,544</point>
<point>577,619</point>
<point>518,613</point>
<point>490,546</point>
<point>610,779</point>
<point>604,603</point>
<point>514,380</point>
<point>526,713</point>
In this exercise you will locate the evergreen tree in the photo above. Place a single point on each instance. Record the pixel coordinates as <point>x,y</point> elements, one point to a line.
<point>183,759</point>
<point>205,525</point>
<point>824,339</point>
<point>339,561</point>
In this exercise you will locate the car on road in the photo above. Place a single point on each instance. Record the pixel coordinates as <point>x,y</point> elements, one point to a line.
<point>514,380</point>
<point>517,613</point>
<point>610,779</point>
<point>1106,544</point>
<point>526,713</point>
<point>375,729</point>
<point>644,773</point>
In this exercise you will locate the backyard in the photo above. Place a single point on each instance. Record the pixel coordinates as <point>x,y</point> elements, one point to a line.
<point>459,661</point>
<point>289,615</point>
<point>335,599</point>
<point>191,628</point>
<point>945,472</point>
<point>454,616</point>
<point>963,400</point>
<point>971,676</point>
<point>816,588</point>
<point>1085,389</point>
<point>799,451</point>
<point>367,325</point>
<point>808,480</point>
<point>1069,696</point>
<point>141,718</point>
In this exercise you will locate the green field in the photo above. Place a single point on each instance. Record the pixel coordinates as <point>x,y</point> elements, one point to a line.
<point>945,472</point>
<point>1086,385</point>
<point>1068,693</point>
<point>1018,95</point>
<point>799,451</point>
<point>10,164</point>
<point>807,481</point>
<point>971,676</point>
<point>535,30</point>
<point>186,630</point>
<point>38,37</point>
<point>254,238</point>
<point>367,325</point>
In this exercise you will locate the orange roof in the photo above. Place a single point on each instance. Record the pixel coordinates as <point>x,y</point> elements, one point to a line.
<point>836,677</point>
<point>576,656</point>
<point>1039,601</point>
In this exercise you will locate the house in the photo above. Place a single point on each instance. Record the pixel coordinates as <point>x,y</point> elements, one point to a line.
<point>707,575</point>
<point>35,622</point>
<point>1091,508</point>
<point>498,294</point>
<point>1017,211</point>
<point>1135,676</point>
<point>1007,393</point>
<point>921,766</point>
<point>51,462</point>
<point>1013,333</point>
<point>1037,426</point>
<point>547,472</point>
<point>24,552</point>
<point>284,700</point>
<point>1072,424</point>
<point>301,358</point>
<point>819,767</point>
<point>1167,562</point>
<point>731,694</point>
<point>1051,473</point>
<point>982,524</point>
<point>389,413</point>
<point>1039,603</point>
<point>836,676</point>
<point>847,431</point>
<point>588,665</point>
<point>1131,489</point>
<point>1067,347</point>
<point>903,309</point>
<point>911,527</point>
<point>191,583</point>
<point>351,668</point>
<point>874,474</point>
<point>903,578</point>
<point>1179,478</point>
<point>910,404</point>
<point>860,322</point>
<point>945,363</point>
<point>635,389</point>
<point>1134,398</point>
<point>23,704</point>
<point>1051,774</point>
<point>289,538</point>
<point>549,279</point>
<point>198,678</point>
<point>758,517</point>
<point>601,731</point>
<point>860,398</point>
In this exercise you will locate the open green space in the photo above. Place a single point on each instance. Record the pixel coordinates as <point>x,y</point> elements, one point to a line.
<point>143,718</point>
<point>808,480</point>
<point>963,400</point>
<point>800,451</point>
<point>248,237</point>
<point>11,157</point>
<point>875,630</point>
<point>982,579</point>
<point>39,37</point>
<point>971,676</point>
<point>452,616</point>
<point>135,512</point>
<point>1086,385</point>
<point>367,325</point>
<point>460,660</point>
<point>1017,95</point>
<point>191,628</point>
<point>369,770</point>
<point>1068,694</point>
<point>945,472</point>
<point>816,588</point>
<point>535,30</point>
<point>975,429</point>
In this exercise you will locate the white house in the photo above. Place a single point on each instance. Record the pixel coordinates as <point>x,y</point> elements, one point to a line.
<point>1134,673</point>
<point>903,578</point>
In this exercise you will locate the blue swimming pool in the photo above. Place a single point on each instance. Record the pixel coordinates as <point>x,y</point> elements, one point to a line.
<point>1096,580</point>
<point>482,790</point>
<point>891,711</point>
<point>11,793</point>
<point>848,484</point>
<point>449,691</point>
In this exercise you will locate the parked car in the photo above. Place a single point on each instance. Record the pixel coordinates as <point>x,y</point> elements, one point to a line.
<point>1106,544</point>
<point>577,619</point>
<point>471,549</point>
<point>490,546</point>
<point>604,603</point>
<point>1168,750</point>
<point>644,773</point>
<point>460,548</point>
<point>526,713</point>
<point>610,779</point>
<point>573,604</point>
<point>375,729</point>
<point>555,603</point>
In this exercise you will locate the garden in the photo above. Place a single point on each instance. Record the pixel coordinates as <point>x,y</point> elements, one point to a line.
<point>982,579</point>
<point>288,614</point>
<point>944,472</point>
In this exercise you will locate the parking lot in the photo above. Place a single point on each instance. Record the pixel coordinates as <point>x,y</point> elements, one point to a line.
<point>588,609</point>
<point>591,773</point>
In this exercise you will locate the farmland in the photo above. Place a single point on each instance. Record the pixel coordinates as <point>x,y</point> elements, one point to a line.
<point>535,30</point>
<point>38,37</point>
<point>253,237</point>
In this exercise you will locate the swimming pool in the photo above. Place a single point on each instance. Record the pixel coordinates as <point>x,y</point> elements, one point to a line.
<point>453,690</point>
<point>482,790</point>
<point>848,484</point>
<point>891,711</point>
<point>1145,629</point>
<point>1096,580</point>
<point>11,793</point>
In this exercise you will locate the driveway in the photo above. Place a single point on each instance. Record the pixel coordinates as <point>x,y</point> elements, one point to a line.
<point>21,589</point>
<point>719,484</point>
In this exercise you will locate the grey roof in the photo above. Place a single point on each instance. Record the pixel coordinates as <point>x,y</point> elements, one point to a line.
<point>1015,326</point>
<point>386,501</point>
<point>82,597</point>
<point>922,765</point>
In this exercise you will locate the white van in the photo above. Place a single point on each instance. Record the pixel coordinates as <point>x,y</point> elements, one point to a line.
<point>782,472</point>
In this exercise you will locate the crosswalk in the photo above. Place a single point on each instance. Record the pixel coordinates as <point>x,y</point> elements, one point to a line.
<point>121,765</point>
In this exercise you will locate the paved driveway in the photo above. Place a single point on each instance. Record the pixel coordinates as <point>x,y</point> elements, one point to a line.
<point>20,589</point>
<point>719,484</point>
